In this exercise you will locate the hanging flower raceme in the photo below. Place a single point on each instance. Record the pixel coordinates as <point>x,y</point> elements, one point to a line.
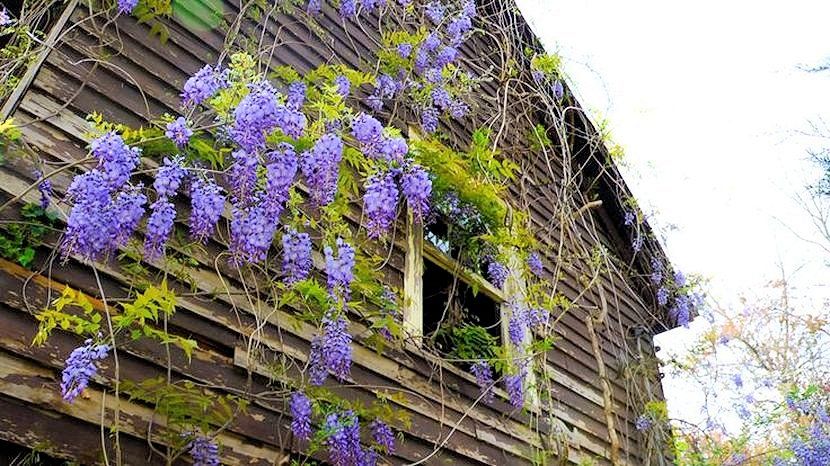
<point>337,347</point>
<point>383,436</point>
<point>242,176</point>
<point>126,6</point>
<point>314,7</point>
<point>296,256</point>
<point>44,188</point>
<point>643,423</point>
<point>295,96</point>
<point>518,324</point>
<point>340,269</point>
<point>343,85</point>
<point>380,203</point>
<point>159,228</point>
<point>203,85</point>
<point>178,132</point>
<point>259,113</point>
<point>279,175</point>
<point>321,168</point>
<point>435,11</point>
<point>128,210</point>
<point>429,119</point>
<point>208,203</point>
<point>80,367</point>
<point>116,159</point>
<point>252,230</point>
<point>343,439</point>
<point>417,189</point>
<point>301,415</point>
<point>393,149</point>
<point>681,311</point>
<point>497,273</point>
<point>368,132</point>
<point>514,385</point>
<point>484,378</point>
<point>204,451</point>
<point>169,177</point>
<point>534,263</point>
<point>348,9</point>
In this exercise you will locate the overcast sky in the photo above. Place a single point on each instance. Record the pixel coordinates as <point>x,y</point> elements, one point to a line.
<point>708,101</point>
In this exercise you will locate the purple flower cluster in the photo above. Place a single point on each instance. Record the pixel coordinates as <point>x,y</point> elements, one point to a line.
<point>314,7</point>
<point>343,439</point>
<point>518,325</point>
<point>295,96</point>
<point>80,367</point>
<point>203,85</point>
<point>5,19</point>
<point>484,378</point>
<point>296,256</point>
<point>429,119</point>
<point>204,451</point>
<point>178,132</point>
<point>662,296</point>
<point>126,6</point>
<point>367,131</point>
<point>514,385</point>
<point>300,415</point>
<point>383,436</point>
<point>343,85</point>
<point>417,189</point>
<point>681,310</point>
<point>159,227</point>
<point>317,372</point>
<point>348,9</point>
<point>534,263</point>
<point>259,113</point>
<point>629,218</point>
<point>340,269</point>
<point>321,168</point>
<point>497,273</point>
<point>385,88</point>
<point>45,189</point>
<point>337,347</point>
<point>207,203</point>
<point>656,271</point>
<point>280,172</point>
<point>380,203</point>
<point>643,423</point>
<point>105,210</point>
<point>252,230</point>
<point>169,177</point>
<point>435,11</point>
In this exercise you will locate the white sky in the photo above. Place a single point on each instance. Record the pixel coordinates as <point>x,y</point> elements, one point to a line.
<point>707,100</point>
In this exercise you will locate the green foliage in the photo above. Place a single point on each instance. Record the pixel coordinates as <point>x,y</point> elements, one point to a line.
<point>136,320</point>
<point>471,342</point>
<point>548,64</point>
<point>185,406</point>
<point>18,240</point>
<point>153,12</point>
<point>9,135</point>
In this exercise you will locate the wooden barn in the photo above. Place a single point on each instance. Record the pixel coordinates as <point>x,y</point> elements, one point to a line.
<point>212,350</point>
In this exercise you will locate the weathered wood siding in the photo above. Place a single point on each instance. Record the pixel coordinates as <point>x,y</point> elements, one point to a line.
<point>141,80</point>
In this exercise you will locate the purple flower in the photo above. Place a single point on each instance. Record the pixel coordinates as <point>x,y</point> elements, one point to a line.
<point>80,367</point>
<point>738,380</point>
<point>497,273</point>
<point>680,312</point>
<point>537,317</point>
<point>468,8</point>
<point>404,49</point>
<point>431,42</point>
<point>643,423</point>
<point>484,378</point>
<point>159,227</point>
<point>383,436</point>
<point>259,113</point>
<point>296,95</point>
<point>204,451</point>
<point>169,177</point>
<point>116,159</point>
<point>321,168</point>
<point>348,9</point>
<point>126,6</point>
<point>656,271</point>
<point>459,109</point>
<point>127,209</point>
<point>314,7</point>
<point>203,85</point>
<point>662,296</point>
<point>679,279</point>
<point>441,98</point>
<point>518,324</point>
<point>337,347</point>
<point>90,224</point>
<point>45,189</point>
<point>339,270</point>
<point>558,89</point>
<point>435,11</point>
<point>534,263</point>
<point>367,131</point>
<point>637,243</point>
<point>301,415</point>
<point>296,256</point>
<point>392,149</point>
<point>279,175</point>
<point>513,384</point>
<point>459,26</point>
<point>429,119</point>
<point>380,203</point>
<point>5,19</point>
<point>343,439</point>
<point>446,56</point>
<point>178,132</point>
<point>417,189</point>
<point>343,85</point>
<point>242,175</point>
<point>252,230</point>
<point>317,372</point>
<point>208,203</point>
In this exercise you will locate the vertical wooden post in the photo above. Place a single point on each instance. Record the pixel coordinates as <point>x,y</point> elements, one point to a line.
<point>514,290</point>
<point>413,279</point>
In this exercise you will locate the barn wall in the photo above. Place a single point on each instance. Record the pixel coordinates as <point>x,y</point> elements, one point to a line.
<point>140,80</point>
